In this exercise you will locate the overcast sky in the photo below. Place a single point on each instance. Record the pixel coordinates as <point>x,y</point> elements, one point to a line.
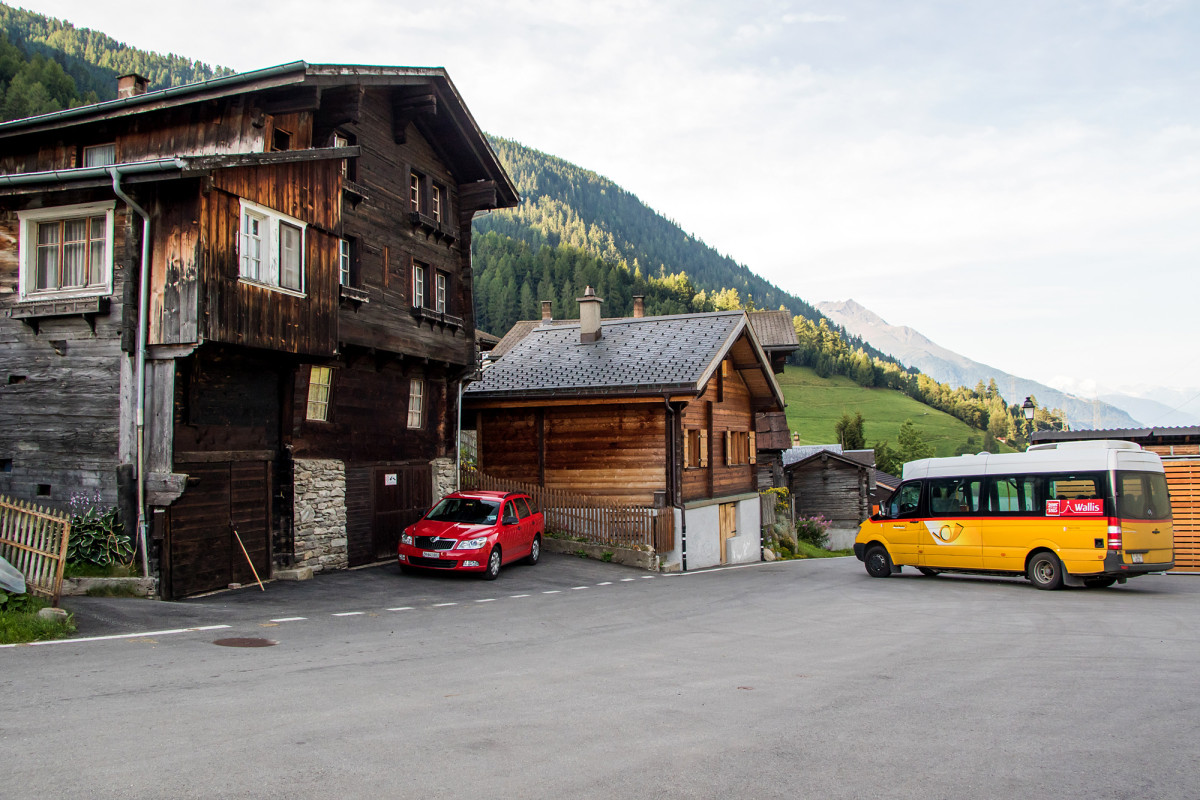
<point>1018,180</point>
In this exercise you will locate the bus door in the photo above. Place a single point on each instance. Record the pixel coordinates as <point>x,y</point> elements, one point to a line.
<point>951,535</point>
<point>1014,518</point>
<point>902,522</point>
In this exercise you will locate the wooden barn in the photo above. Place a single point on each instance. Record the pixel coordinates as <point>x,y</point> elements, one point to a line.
<point>240,311</point>
<point>826,481</point>
<point>1179,449</point>
<point>647,411</point>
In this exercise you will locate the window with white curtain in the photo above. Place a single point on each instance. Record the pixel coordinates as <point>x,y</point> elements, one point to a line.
<point>66,251</point>
<point>271,248</point>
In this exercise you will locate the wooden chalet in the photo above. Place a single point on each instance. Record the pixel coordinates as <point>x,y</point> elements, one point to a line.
<point>649,411</point>
<point>836,484</point>
<point>1179,449</point>
<point>240,311</point>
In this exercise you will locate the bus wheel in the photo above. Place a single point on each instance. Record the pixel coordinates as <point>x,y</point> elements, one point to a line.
<point>879,563</point>
<point>1045,570</point>
<point>1098,583</point>
<point>927,572</point>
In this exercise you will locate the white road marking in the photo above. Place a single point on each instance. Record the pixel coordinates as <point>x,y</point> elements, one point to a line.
<point>350,614</point>
<point>288,619</point>
<point>515,596</point>
<point>443,605</point>
<point>119,636</point>
<point>552,591</point>
<point>606,583</point>
<point>401,608</point>
<point>647,577</point>
<point>626,580</point>
<point>489,600</point>
<point>577,588</point>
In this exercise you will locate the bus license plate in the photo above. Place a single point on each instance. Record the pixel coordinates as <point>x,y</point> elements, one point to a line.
<point>436,554</point>
<point>1137,558</point>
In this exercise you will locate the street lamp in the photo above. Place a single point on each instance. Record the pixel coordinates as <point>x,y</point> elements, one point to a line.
<point>1027,408</point>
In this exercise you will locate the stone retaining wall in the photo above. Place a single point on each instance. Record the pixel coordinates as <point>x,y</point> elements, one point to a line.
<point>319,507</point>
<point>444,480</point>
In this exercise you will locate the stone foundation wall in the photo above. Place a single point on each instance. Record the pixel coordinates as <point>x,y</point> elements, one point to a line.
<point>319,511</point>
<point>444,480</point>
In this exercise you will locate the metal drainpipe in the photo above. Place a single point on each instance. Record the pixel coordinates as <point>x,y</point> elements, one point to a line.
<point>677,495</point>
<point>143,303</point>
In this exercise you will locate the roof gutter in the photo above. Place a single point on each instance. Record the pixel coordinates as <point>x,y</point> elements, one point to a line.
<point>140,397</point>
<point>85,173</point>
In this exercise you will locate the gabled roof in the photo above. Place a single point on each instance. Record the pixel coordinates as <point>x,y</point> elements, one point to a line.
<point>775,330</point>
<point>471,156</point>
<point>803,451</point>
<point>842,457</point>
<point>634,356</point>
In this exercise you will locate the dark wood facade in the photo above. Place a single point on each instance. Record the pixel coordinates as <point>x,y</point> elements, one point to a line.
<point>829,485</point>
<point>334,153</point>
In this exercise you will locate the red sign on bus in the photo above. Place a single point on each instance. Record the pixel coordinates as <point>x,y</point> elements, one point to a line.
<point>1074,507</point>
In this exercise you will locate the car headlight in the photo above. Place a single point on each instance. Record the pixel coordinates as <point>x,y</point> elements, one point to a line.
<point>472,544</point>
<point>406,539</point>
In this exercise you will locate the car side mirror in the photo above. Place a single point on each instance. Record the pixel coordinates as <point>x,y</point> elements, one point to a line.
<point>509,519</point>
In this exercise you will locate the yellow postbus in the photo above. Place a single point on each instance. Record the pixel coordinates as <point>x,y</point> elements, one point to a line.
<point>1075,513</point>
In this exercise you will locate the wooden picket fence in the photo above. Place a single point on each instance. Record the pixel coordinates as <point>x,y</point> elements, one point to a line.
<point>34,540</point>
<point>590,519</point>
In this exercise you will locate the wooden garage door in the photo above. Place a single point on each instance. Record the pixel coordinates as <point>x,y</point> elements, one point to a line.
<point>1183,480</point>
<point>402,495</point>
<point>221,497</point>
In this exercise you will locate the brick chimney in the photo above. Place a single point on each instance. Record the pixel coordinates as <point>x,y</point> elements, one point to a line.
<point>639,306</point>
<point>547,314</point>
<point>131,85</point>
<point>589,316</point>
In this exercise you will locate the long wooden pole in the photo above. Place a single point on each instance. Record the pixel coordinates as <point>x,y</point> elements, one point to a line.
<point>248,561</point>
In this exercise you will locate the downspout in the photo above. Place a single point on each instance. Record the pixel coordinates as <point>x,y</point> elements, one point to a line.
<point>677,486</point>
<point>143,313</point>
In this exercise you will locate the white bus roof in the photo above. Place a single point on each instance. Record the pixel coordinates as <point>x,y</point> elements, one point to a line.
<point>1082,456</point>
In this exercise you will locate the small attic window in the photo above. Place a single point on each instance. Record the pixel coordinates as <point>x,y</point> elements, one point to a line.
<point>281,140</point>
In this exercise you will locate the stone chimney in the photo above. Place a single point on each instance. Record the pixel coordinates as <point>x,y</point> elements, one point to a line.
<point>795,440</point>
<point>589,316</point>
<point>547,314</point>
<point>639,306</point>
<point>131,85</point>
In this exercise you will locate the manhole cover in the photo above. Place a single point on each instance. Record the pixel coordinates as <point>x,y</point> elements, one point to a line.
<point>245,641</point>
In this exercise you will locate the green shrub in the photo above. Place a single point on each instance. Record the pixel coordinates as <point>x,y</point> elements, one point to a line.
<point>97,537</point>
<point>814,530</point>
<point>19,621</point>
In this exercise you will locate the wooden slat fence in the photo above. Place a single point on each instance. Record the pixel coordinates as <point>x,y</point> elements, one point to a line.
<point>591,519</point>
<point>1183,481</point>
<point>34,540</point>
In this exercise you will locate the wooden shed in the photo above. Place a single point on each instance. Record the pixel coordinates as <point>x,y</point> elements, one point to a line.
<point>832,485</point>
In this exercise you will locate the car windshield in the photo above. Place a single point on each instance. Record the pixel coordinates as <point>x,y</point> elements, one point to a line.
<point>470,510</point>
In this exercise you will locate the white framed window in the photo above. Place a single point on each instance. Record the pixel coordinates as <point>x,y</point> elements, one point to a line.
<point>414,191</point>
<point>344,261</point>
<point>418,285</point>
<point>416,403</point>
<point>271,248</point>
<point>66,251</point>
<point>100,155</point>
<point>320,380</point>
<point>440,293</point>
<point>435,203</point>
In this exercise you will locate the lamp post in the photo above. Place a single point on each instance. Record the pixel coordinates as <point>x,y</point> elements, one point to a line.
<point>1027,408</point>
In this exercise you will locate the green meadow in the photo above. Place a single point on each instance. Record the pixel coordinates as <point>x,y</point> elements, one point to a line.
<point>815,404</point>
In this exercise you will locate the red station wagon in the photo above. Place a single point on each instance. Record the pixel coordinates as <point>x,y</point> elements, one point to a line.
<point>474,532</point>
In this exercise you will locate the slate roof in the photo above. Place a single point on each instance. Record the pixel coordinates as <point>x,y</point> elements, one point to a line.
<point>803,451</point>
<point>645,355</point>
<point>775,330</point>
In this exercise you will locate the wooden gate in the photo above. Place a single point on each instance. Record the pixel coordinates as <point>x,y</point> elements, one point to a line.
<point>202,553</point>
<point>1183,480</point>
<point>402,495</point>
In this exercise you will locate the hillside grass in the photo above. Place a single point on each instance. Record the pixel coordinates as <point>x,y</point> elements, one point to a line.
<point>815,404</point>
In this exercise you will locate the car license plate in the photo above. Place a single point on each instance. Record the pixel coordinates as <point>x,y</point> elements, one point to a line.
<point>431,554</point>
<point>1137,558</point>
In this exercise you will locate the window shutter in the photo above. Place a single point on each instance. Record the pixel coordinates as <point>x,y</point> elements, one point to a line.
<point>703,448</point>
<point>753,448</point>
<point>728,448</point>
<point>685,448</point>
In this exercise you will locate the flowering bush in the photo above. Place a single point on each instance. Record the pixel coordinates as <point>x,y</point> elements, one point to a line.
<point>814,530</point>
<point>97,536</point>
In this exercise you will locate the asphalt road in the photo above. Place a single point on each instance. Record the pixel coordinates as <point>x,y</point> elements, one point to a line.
<point>581,679</point>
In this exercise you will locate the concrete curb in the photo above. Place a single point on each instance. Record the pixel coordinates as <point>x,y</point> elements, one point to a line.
<point>142,587</point>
